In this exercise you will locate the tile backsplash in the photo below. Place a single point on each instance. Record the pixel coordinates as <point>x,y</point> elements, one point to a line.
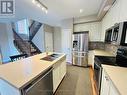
<point>111,48</point>
<point>104,46</point>
<point>96,45</point>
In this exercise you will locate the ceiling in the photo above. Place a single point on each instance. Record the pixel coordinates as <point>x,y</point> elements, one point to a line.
<point>71,8</point>
<point>57,10</point>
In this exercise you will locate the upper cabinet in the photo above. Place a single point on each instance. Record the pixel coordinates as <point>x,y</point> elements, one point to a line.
<point>94,29</point>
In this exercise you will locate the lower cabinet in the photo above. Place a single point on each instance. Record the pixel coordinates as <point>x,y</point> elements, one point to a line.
<point>59,72</point>
<point>91,58</point>
<point>113,90</point>
<point>105,84</point>
<point>107,87</point>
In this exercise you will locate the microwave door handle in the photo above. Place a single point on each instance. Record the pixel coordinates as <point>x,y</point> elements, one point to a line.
<point>97,65</point>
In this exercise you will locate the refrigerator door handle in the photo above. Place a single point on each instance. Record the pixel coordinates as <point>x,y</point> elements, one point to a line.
<point>78,56</point>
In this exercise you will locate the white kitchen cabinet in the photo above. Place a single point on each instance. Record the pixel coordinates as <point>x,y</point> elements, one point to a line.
<point>62,69</point>
<point>59,72</point>
<point>91,58</point>
<point>105,84</point>
<point>56,79</point>
<point>94,29</point>
<point>113,90</point>
<point>107,87</point>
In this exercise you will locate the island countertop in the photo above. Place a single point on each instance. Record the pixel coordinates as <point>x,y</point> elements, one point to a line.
<point>20,72</point>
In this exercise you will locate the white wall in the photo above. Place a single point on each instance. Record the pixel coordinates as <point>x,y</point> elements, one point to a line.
<point>57,39</point>
<point>94,29</point>
<point>48,30</point>
<point>66,42</point>
<point>4,42</point>
<point>49,41</point>
<point>12,48</point>
<point>115,15</point>
<point>38,39</point>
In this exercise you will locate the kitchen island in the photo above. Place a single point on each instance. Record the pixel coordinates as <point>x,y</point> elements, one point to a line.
<point>15,76</point>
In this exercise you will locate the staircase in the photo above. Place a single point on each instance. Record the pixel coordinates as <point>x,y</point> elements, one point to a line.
<point>35,26</point>
<point>27,46</point>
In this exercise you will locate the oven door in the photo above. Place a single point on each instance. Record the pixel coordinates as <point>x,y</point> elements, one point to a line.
<point>97,75</point>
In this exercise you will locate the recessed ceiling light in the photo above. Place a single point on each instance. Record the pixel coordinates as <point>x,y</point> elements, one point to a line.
<point>81,10</point>
<point>34,1</point>
<point>42,8</point>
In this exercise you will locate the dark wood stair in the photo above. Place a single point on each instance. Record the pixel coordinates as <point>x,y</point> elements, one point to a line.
<point>25,46</point>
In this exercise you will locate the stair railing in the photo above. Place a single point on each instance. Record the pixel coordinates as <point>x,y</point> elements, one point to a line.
<point>21,43</point>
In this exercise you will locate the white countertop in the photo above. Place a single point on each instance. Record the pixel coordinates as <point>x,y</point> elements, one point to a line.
<point>101,52</point>
<point>118,75</point>
<point>20,72</point>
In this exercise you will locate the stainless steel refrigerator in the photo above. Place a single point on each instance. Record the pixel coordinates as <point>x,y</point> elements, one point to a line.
<point>80,48</point>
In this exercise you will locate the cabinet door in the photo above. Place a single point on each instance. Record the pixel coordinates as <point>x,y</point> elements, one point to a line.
<point>105,85</point>
<point>56,79</point>
<point>91,59</point>
<point>95,31</point>
<point>113,90</point>
<point>59,72</point>
<point>67,44</point>
<point>63,69</point>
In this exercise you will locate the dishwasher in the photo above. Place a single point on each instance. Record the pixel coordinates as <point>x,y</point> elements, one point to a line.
<point>43,85</point>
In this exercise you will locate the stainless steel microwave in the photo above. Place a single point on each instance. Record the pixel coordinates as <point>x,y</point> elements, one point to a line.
<point>108,35</point>
<point>123,34</point>
<point>117,34</point>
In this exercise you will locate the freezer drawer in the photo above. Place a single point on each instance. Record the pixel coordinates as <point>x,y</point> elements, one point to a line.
<point>41,86</point>
<point>80,59</point>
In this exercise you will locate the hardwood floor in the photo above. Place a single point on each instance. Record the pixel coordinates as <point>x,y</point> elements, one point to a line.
<point>94,88</point>
<point>76,82</point>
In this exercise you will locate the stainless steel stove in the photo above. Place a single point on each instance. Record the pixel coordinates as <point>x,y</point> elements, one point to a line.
<point>119,60</point>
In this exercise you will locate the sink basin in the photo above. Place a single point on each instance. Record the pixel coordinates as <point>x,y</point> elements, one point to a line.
<point>51,57</point>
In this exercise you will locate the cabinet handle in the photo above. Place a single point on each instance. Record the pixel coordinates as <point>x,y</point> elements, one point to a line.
<point>106,78</point>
